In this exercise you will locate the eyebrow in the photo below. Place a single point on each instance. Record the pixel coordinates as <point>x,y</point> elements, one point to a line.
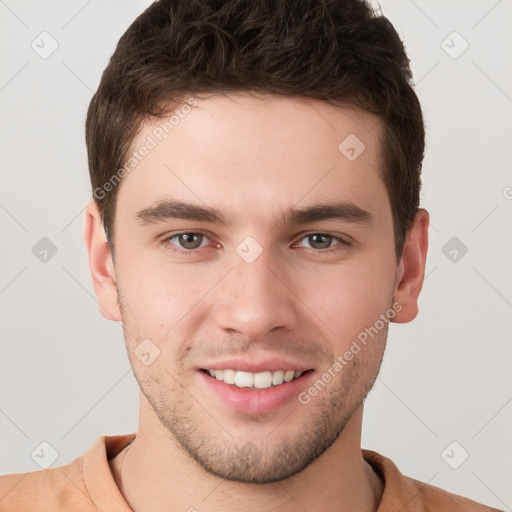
<point>173,209</point>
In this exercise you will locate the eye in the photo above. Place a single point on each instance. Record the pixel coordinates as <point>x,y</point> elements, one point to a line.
<point>322,241</point>
<point>187,242</point>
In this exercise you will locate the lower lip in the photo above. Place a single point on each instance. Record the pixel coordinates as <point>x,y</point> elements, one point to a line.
<point>256,401</point>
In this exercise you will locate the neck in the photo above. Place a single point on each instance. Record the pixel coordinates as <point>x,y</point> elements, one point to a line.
<point>154,474</point>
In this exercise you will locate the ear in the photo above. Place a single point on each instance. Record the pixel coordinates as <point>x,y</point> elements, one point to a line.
<point>411,269</point>
<point>101,264</point>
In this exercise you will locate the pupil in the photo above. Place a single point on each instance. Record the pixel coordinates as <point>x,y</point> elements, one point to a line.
<point>322,240</point>
<point>188,238</point>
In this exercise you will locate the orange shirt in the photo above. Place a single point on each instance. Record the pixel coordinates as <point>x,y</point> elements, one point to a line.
<point>87,484</point>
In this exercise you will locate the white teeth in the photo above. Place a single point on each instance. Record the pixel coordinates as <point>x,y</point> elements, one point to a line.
<point>262,380</point>
<point>288,376</point>
<point>277,377</point>
<point>243,379</point>
<point>229,376</point>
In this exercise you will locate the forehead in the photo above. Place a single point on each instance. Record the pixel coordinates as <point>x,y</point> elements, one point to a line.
<point>256,156</point>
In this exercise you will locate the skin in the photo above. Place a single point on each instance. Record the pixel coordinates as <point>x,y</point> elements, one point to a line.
<point>253,158</point>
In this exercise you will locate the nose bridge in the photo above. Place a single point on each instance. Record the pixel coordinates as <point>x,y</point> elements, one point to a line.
<point>255,298</point>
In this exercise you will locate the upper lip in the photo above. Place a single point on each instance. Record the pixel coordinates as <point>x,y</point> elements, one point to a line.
<point>252,366</point>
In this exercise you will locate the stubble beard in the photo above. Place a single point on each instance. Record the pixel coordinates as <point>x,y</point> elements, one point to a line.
<point>257,460</point>
<point>199,432</point>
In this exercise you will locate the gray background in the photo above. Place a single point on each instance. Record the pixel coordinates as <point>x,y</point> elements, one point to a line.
<point>64,374</point>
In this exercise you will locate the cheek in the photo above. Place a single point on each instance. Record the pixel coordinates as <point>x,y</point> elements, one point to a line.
<point>158,299</point>
<point>349,299</point>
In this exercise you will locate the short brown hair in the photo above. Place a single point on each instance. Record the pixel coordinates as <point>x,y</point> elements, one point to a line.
<point>340,51</point>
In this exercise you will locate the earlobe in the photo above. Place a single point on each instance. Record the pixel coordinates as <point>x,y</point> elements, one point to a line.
<point>101,265</point>
<point>411,270</point>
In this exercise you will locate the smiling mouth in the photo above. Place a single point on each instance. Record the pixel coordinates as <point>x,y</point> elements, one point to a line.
<point>261,380</point>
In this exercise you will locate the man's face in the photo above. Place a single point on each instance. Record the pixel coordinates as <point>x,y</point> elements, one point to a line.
<point>266,291</point>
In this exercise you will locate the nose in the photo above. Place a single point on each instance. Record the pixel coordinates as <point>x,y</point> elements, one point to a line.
<point>256,298</point>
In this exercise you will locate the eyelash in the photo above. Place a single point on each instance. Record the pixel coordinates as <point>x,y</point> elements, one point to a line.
<point>189,252</point>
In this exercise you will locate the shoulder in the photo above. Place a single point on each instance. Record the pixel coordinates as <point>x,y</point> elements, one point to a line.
<point>405,493</point>
<point>434,499</point>
<point>46,490</point>
<point>84,485</point>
